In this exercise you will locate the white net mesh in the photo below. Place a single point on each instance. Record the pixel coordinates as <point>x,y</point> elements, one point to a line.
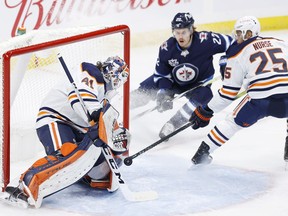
<point>32,75</point>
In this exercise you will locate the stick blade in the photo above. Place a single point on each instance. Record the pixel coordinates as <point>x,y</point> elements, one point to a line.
<point>141,196</point>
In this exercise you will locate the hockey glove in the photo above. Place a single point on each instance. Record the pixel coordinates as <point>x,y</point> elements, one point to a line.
<point>93,134</point>
<point>164,100</point>
<point>95,115</point>
<point>121,140</point>
<point>201,117</point>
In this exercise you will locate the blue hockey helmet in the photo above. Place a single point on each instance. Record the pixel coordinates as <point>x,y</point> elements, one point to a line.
<point>182,20</point>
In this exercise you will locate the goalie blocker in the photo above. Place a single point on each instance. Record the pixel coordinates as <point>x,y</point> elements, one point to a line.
<point>73,162</point>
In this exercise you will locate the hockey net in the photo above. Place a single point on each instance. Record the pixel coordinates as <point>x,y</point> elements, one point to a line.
<point>30,68</point>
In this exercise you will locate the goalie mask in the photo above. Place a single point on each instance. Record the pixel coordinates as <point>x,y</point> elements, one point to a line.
<point>115,72</point>
<point>244,24</point>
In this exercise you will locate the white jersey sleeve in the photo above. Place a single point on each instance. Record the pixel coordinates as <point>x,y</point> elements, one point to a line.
<point>261,64</point>
<point>231,85</point>
<point>62,103</point>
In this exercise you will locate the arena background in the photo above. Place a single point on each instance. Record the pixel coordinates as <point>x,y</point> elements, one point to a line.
<point>148,18</point>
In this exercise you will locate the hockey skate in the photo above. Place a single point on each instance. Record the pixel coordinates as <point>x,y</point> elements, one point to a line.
<point>173,124</point>
<point>202,155</point>
<point>15,196</point>
<point>167,129</point>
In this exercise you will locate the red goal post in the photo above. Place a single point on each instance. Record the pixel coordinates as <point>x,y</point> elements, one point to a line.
<point>36,52</point>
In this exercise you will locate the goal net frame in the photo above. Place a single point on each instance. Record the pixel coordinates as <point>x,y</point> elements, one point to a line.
<point>6,59</point>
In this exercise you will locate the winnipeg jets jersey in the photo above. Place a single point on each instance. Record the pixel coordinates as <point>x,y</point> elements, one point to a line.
<point>62,104</point>
<point>259,65</point>
<point>189,66</point>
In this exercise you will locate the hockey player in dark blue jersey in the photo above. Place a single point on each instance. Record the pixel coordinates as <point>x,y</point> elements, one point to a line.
<point>184,62</point>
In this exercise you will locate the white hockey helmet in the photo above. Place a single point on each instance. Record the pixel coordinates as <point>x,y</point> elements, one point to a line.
<point>246,23</point>
<point>115,72</point>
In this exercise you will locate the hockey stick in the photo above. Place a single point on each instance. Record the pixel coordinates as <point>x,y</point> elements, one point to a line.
<point>128,160</point>
<point>177,97</point>
<point>127,193</point>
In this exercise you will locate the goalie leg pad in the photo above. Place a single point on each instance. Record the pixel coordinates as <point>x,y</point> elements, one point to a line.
<point>101,177</point>
<point>109,183</point>
<point>51,174</point>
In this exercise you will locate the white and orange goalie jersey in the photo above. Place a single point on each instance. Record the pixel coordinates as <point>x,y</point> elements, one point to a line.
<point>55,106</point>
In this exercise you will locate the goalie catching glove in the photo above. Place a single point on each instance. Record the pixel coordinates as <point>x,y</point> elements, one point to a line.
<point>201,117</point>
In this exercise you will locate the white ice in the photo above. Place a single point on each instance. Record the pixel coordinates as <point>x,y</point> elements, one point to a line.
<point>247,176</point>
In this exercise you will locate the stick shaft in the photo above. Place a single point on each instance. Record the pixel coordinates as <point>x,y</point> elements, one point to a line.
<point>71,80</point>
<point>161,140</point>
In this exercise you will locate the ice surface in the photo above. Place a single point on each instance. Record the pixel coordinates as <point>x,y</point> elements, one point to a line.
<point>246,177</point>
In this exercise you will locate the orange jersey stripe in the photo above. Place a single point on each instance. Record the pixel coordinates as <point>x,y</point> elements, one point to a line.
<point>217,137</point>
<point>228,92</point>
<point>87,95</point>
<point>54,134</point>
<point>73,96</point>
<point>271,82</point>
<point>42,113</point>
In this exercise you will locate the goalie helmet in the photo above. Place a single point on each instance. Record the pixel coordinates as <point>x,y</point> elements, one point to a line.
<point>247,23</point>
<point>115,72</point>
<point>182,20</point>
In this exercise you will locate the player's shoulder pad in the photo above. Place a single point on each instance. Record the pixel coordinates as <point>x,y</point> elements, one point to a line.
<point>209,37</point>
<point>93,71</point>
<point>202,36</point>
<point>168,44</point>
<point>235,48</point>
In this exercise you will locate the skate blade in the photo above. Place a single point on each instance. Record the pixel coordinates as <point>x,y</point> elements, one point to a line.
<point>286,165</point>
<point>6,198</point>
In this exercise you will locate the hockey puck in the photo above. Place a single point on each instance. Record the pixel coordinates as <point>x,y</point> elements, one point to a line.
<point>128,161</point>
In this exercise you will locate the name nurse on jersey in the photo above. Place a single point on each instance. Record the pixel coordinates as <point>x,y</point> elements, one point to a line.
<point>262,44</point>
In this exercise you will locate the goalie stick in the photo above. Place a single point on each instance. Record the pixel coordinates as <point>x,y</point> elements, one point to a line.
<point>127,193</point>
<point>177,97</point>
